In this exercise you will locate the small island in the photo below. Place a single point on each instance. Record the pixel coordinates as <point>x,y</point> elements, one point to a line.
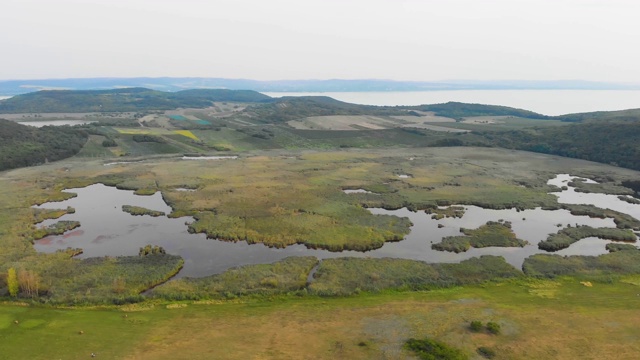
<point>139,211</point>
<point>491,234</point>
<point>58,228</point>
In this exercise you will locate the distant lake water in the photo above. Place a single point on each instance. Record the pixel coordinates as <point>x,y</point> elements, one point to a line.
<point>54,123</point>
<point>547,102</point>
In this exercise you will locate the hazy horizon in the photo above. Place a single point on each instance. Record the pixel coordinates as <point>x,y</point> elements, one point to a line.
<point>452,80</point>
<point>401,40</point>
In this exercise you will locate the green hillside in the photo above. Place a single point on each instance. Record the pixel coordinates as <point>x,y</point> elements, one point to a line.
<point>609,142</point>
<point>121,100</point>
<point>292,108</point>
<point>458,110</point>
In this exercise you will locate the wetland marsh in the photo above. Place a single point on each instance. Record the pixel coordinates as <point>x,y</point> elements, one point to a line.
<point>108,231</point>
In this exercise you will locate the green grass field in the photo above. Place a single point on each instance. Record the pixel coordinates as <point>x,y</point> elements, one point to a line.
<point>540,319</point>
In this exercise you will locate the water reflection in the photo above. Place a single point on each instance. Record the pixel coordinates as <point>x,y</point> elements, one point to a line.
<point>604,201</point>
<point>107,230</point>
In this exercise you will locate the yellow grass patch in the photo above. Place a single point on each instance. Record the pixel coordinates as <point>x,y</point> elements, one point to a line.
<point>544,288</point>
<point>631,279</point>
<point>137,307</point>
<point>117,151</point>
<point>176,306</point>
<point>142,131</point>
<point>187,133</point>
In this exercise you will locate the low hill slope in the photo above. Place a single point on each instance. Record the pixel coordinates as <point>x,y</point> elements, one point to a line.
<point>122,100</point>
<point>609,142</point>
<point>620,115</point>
<point>294,108</point>
<point>459,110</point>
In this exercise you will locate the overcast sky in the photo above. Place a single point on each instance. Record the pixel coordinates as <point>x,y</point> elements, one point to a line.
<point>322,39</point>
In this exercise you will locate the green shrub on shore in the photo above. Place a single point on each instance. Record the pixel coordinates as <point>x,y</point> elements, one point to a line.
<point>151,250</point>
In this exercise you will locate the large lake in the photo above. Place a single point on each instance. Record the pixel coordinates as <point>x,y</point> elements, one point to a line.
<point>107,230</point>
<point>70,122</point>
<point>547,102</point>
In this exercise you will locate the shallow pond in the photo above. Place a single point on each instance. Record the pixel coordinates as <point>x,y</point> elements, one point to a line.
<point>107,230</point>
<point>571,196</point>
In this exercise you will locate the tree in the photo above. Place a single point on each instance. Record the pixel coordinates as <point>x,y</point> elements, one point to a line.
<point>12,282</point>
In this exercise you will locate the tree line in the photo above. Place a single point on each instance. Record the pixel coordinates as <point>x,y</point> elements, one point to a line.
<point>22,145</point>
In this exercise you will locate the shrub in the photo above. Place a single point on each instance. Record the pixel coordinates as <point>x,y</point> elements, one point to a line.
<point>486,352</point>
<point>493,327</point>
<point>109,143</point>
<point>429,349</point>
<point>475,326</point>
<point>151,250</point>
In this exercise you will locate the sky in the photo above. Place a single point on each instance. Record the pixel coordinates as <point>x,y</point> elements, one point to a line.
<point>420,40</point>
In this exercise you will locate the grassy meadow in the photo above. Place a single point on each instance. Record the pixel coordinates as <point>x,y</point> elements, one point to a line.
<point>539,319</point>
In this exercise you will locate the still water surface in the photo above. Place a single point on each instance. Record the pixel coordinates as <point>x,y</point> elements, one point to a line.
<point>54,123</point>
<point>107,230</point>
<point>547,102</point>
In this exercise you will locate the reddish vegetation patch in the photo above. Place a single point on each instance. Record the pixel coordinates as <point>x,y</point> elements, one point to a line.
<point>73,233</point>
<point>46,241</point>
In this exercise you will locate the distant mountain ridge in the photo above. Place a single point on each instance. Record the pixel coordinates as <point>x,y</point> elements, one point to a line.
<point>15,87</point>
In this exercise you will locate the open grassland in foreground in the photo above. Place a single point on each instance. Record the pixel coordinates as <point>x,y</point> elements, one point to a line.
<point>539,319</point>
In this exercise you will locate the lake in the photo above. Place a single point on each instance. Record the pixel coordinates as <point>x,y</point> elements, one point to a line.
<point>547,102</point>
<point>107,230</point>
<point>54,123</point>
